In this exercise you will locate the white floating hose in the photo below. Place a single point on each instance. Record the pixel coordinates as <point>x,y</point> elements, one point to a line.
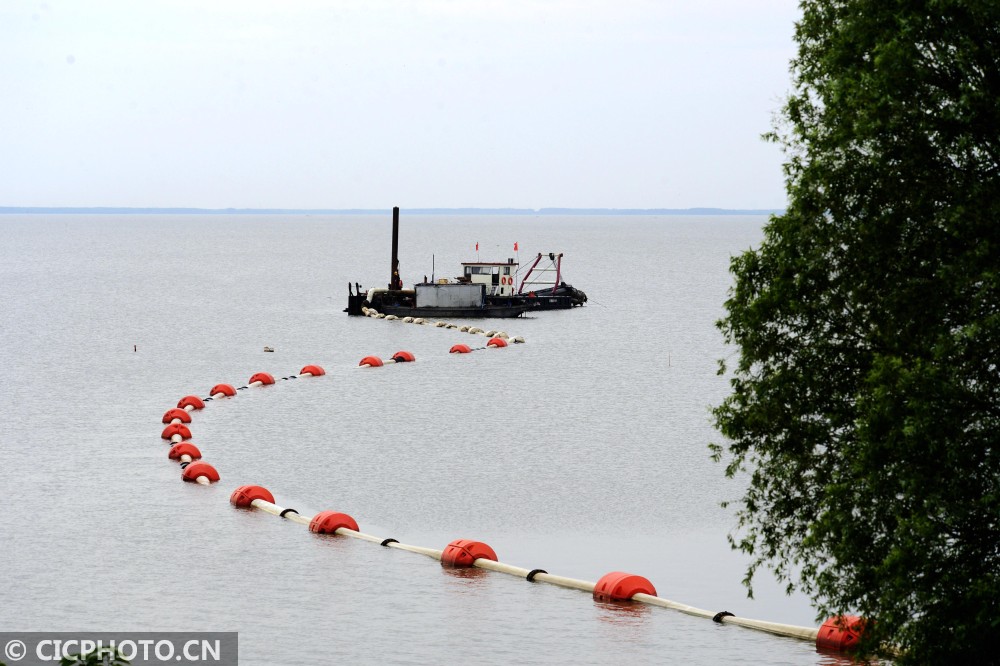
<point>615,585</point>
<point>274,509</point>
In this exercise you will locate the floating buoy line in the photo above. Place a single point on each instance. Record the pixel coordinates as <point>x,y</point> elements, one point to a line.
<point>839,633</point>
<point>422,321</point>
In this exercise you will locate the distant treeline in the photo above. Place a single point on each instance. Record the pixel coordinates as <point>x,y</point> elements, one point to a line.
<point>375,211</point>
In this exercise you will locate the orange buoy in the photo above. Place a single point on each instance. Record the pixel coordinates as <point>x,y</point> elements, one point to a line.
<point>196,470</point>
<point>403,357</point>
<point>244,495</point>
<point>313,370</point>
<point>496,342</point>
<point>328,522</point>
<point>177,413</point>
<point>371,362</point>
<point>225,389</point>
<point>262,377</point>
<point>459,349</point>
<point>841,633</point>
<point>176,429</point>
<point>464,552</point>
<point>192,401</point>
<point>184,449</point>
<point>621,586</point>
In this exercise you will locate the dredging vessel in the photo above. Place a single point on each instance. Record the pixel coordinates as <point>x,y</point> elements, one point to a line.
<point>485,289</point>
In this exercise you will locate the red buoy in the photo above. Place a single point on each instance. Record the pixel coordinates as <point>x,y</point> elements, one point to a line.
<point>621,586</point>
<point>262,377</point>
<point>313,370</point>
<point>244,495</point>
<point>176,413</point>
<point>184,449</point>
<point>496,342</point>
<point>176,429</point>
<point>328,522</point>
<point>196,469</point>
<point>403,357</point>
<point>192,401</point>
<point>463,552</point>
<point>459,349</point>
<point>224,389</point>
<point>841,633</point>
<point>371,362</point>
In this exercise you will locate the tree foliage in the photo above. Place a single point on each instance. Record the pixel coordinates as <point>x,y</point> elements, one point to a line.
<point>865,403</point>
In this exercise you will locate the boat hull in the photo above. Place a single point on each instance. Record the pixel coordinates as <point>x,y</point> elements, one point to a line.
<point>563,297</point>
<point>487,312</point>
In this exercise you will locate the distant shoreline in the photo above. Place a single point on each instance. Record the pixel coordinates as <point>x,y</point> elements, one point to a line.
<point>14,210</point>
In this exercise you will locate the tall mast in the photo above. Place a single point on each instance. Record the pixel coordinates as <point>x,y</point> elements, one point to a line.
<point>395,282</point>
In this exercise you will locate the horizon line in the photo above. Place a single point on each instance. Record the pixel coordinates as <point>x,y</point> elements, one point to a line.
<point>153,210</point>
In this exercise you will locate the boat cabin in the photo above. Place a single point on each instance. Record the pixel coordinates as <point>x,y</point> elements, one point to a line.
<point>497,277</point>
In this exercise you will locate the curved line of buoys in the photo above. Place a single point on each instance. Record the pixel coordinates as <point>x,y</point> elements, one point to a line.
<point>840,633</point>
<point>178,434</point>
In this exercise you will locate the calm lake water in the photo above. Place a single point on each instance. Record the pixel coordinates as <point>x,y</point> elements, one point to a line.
<point>581,452</point>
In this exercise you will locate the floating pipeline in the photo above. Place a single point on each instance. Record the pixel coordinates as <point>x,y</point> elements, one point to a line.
<point>839,633</point>
<point>193,469</point>
<point>376,362</point>
<point>474,330</point>
<point>496,343</point>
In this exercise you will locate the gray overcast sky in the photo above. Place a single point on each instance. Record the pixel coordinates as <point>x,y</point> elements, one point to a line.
<point>375,103</point>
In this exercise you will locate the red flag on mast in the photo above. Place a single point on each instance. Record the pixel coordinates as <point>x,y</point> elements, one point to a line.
<point>477,247</point>
<point>515,246</point>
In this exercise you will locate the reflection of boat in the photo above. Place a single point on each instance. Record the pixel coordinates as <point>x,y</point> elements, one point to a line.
<point>462,299</point>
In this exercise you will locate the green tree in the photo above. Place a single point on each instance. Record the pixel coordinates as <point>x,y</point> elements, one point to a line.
<point>865,403</point>
<point>104,656</point>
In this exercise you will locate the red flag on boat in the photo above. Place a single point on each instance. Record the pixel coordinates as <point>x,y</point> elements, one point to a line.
<point>477,247</point>
<point>515,246</point>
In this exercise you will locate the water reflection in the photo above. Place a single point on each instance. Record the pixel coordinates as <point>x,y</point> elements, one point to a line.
<point>473,575</point>
<point>623,613</point>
